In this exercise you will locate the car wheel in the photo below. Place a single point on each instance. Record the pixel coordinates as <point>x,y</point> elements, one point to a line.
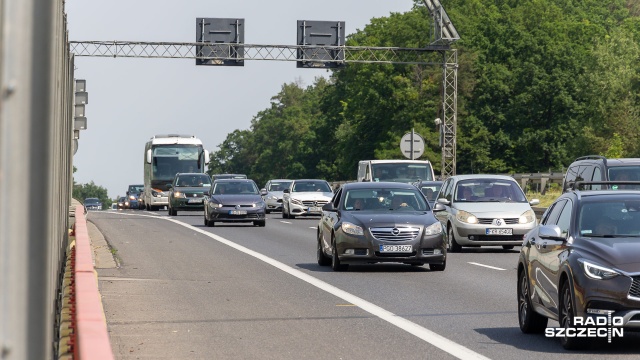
<point>323,260</point>
<point>530,321</point>
<point>567,314</point>
<point>438,267</point>
<point>335,261</point>
<point>507,247</point>
<point>284,213</point>
<point>267,211</point>
<point>453,244</point>
<point>261,223</point>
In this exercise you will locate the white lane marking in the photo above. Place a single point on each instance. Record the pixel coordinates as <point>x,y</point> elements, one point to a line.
<point>285,222</point>
<point>487,266</point>
<point>311,227</point>
<point>439,341</point>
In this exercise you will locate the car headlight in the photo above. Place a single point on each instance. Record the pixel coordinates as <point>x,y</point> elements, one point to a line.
<point>598,272</point>
<point>296,201</point>
<point>352,229</point>
<point>214,205</point>
<point>433,229</point>
<point>527,217</point>
<point>273,197</point>
<point>466,217</point>
<point>258,204</point>
<point>178,194</point>
<point>131,197</point>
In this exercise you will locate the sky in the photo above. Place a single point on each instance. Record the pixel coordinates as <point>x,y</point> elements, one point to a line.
<point>133,99</point>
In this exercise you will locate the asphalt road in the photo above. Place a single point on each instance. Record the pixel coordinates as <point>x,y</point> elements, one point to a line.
<point>236,291</point>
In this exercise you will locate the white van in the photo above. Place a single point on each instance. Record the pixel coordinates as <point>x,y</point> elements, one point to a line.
<point>406,171</point>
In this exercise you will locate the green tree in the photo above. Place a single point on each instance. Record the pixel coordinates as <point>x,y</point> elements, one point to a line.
<point>91,190</point>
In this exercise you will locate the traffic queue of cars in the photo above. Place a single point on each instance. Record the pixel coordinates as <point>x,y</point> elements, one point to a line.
<point>580,263</point>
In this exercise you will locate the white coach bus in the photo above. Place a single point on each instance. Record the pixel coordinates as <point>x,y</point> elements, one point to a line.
<point>164,156</point>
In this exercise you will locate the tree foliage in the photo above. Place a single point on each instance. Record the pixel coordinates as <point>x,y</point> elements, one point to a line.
<point>540,82</point>
<point>91,190</point>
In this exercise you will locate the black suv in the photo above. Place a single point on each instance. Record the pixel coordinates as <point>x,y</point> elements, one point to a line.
<point>599,168</point>
<point>581,265</point>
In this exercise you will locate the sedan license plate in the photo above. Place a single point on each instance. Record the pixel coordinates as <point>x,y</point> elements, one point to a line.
<point>314,209</point>
<point>499,232</point>
<point>396,248</point>
<point>237,212</point>
<point>195,201</point>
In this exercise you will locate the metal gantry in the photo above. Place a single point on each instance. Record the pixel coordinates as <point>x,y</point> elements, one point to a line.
<point>444,34</point>
<point>182,50</point>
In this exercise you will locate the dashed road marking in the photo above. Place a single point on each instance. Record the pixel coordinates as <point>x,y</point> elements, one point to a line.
<point>488,266</point>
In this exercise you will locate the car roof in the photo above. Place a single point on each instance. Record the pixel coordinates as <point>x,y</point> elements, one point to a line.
<point>279,180</point>
<point>482,176</point>
<point>309,180</point>
<point>430,182</point>
<point>609,162</point>
<point>397,161</point>
<point>378,185</point>
<point>189,174</point>
<point>232,180</point>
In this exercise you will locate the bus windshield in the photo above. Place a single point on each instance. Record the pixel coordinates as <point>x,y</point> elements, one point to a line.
<point>168,160</point>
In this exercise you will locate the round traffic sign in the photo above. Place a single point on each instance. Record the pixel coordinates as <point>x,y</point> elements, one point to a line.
<point>412,143</point>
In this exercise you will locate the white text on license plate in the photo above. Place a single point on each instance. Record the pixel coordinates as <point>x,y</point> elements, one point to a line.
<point>396,248</point>
<point>237,212</point>
<point>499,232</point>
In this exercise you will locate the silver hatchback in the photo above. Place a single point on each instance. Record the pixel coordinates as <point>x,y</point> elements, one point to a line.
<point>485,210</point>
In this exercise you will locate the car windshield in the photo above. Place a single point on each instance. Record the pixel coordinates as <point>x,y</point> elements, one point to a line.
<point>619,218</point>
<point>311,186</point>
<point>489,190</point>
<point>430,191</point>
<point>91,201</point>
<point>235,188</point>
<point>405,172</point>
<point>198,180</point>
<point>278,186</point>
<point>135,189</point>
<point>384,200</point>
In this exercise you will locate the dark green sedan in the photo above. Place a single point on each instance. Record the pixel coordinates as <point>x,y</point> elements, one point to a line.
<point>186,192</point>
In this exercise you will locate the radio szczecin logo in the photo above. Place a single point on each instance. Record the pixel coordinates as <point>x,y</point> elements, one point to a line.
<point>599,327</point>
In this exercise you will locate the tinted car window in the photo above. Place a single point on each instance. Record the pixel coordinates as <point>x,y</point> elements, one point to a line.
<point>564,220</point>
<point>235,188</point>
<point>193,180</point>
<point>550,218</point>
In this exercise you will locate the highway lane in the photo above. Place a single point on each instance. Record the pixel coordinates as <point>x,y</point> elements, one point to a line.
<point>473,302</point>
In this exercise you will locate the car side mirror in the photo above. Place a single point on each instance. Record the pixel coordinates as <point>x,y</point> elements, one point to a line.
<point>169,186</point>
<point>534,202</point>
<point>328,207</point>
<point>286,191</point>
<point>551,232</point>
<point>444,201</point>
<point>263,192</point>
<point>438,207</point>
<point>127,193</point>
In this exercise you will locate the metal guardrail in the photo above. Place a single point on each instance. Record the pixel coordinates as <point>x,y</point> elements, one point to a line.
<point>539,182</point>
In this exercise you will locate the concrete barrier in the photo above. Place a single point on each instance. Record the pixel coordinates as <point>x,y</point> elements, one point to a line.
<point>92,338</point>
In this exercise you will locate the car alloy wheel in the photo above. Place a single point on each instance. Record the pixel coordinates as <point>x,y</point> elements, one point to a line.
<point>530,321</point>
<point>567,314</point>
